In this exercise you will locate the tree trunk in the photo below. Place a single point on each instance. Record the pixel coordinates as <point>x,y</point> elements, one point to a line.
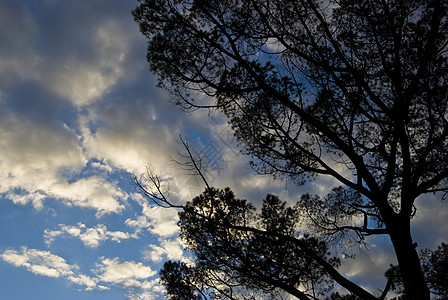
<point>408,260</point>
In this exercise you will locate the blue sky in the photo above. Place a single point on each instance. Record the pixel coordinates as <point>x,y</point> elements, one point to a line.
<point>79,114</point>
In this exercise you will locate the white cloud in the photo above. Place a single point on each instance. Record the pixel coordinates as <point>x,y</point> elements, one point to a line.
<point>91,237</point>
<point>155,254</point>
<point>39,156</point>
<point>126,139</point>
<point>140,223</point>
<point>39,262</point>
<point>157,220</point>
<point>169,249</point>
<point>101,166</point>
<point>273,45</point>
<point>29,149</point>
<point>163,221</point>
<point>153,285</point>
<point>83,84</point>
<point>133,277</point>
<point>61,64</point>
<point>89,282</point>
<point>44,263</point>
<point>128,274</point>
<point>36,198</point>
<point>92,192</point>
<point>38,160</point>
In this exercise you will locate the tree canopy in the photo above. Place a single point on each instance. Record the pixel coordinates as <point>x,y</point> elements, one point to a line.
<point>216,227</point>
<point>356,90</point>
<point>241,252</point>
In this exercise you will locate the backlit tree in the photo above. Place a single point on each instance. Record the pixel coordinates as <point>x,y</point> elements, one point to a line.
<point>356,90</point>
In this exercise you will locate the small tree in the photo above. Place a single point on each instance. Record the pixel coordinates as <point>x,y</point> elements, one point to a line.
<point>356,90</point>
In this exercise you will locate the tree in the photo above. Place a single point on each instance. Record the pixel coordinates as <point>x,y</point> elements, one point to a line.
<point>239,251</point>
<point>228,239</point>
<point>435,267</point>
<point>356,90</point>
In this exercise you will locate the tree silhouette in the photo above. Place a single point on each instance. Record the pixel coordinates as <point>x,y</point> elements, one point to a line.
<point>241,252</point>
<point>435,267</point>
<point>356,90</point>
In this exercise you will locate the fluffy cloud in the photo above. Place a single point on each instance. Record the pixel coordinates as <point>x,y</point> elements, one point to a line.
<point>43,157</point>
<point>89,282</point>
<point>127,274</point>
<point>157,220</point>
<point>91,237</point>
<point>170,249</point>
<point>30,148</point>
<point>84,82</point>
<point>76,61</point>
<point>40,156</point>
<point>44,79</point>
<point>92,192</point>
<point>40,160</point>
<point>39,262</point>
<point>132,277</point>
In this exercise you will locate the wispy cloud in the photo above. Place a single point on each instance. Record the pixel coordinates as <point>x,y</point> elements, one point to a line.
<point>91,237</point>
<point>39,262</point>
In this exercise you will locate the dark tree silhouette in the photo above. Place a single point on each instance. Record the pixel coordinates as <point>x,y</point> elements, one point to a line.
<point>435,267</point>
<point>356,90</point>
<point>239,251</point>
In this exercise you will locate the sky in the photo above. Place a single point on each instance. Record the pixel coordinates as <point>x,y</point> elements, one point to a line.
<point>80,113</point>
